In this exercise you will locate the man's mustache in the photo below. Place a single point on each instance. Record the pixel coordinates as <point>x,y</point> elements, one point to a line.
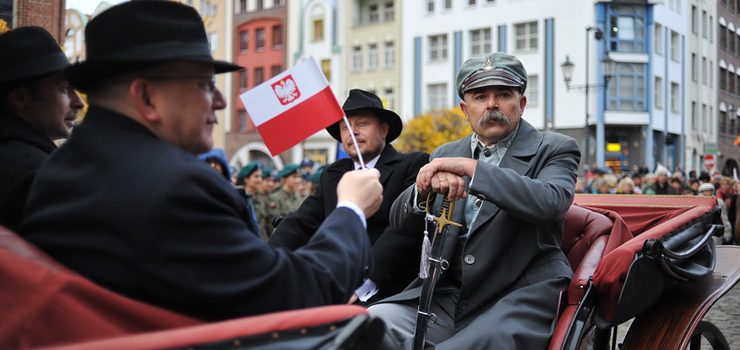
<point>493,117</point>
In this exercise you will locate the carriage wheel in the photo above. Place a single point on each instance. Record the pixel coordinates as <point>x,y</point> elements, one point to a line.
<point>711,333</point>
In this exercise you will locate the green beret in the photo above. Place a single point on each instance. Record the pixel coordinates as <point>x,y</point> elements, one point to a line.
<point>289,169</point>
<point>266,172</point>
<point>248,170</point>
<point>316,177</point>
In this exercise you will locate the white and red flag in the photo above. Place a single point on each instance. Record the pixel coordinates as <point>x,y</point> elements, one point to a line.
<point>292,106</point>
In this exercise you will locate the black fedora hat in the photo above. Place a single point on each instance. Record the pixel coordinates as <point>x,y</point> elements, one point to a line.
<point>364,100</point>
<point>29,52</point>
<point>142,34</point>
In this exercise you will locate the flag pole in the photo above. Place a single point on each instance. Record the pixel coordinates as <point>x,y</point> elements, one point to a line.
<point>354,141</point>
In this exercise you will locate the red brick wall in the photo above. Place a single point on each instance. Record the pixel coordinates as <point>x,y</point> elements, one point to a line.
<point>44,13</point>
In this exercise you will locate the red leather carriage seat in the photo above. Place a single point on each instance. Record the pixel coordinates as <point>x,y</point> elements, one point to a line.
<point>43,303</point>
<point>585,236</point>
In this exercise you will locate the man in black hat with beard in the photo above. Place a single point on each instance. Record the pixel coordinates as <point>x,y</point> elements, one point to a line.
<point>396,250</point>
<point>37,106</point>
<point>126,202</point>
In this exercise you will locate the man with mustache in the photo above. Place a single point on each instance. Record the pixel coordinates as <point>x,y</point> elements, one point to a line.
<point>37,107</point>
<point>396,251</point>
<point>513,186</point>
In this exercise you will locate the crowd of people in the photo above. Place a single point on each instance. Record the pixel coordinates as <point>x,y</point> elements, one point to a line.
<point>662,181</point>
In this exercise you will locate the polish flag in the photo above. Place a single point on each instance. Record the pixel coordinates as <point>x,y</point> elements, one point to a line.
<point>292,106</point>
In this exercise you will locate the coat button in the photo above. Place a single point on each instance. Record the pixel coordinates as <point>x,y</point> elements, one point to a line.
<point>469,259</point>
<point>463,304</point>
<point>478,202</point>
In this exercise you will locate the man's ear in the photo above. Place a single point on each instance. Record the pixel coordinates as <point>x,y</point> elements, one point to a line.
<point>464,108</point>
<point>140,91</point>
<point>20,98</point>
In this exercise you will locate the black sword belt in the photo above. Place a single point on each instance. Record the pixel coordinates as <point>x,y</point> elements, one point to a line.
<point>432,266</point>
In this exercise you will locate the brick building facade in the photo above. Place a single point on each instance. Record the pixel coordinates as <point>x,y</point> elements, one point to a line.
<point>44,13</point>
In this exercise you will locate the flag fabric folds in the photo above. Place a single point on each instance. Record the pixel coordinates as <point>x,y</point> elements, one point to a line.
<point>292,106</point>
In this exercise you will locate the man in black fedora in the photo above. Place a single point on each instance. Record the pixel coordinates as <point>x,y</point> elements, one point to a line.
<point>37,106</point>
<point>126,202</point>
<point>396,250</point>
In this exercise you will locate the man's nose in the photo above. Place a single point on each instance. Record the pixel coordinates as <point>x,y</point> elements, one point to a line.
<point>76,101</point>
<point>219,102</point>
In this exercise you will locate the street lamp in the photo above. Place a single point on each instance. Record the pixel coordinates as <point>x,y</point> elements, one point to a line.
<point>607,66</point>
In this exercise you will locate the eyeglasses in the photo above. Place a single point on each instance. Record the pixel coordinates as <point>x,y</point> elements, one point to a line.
<point>208,82</point>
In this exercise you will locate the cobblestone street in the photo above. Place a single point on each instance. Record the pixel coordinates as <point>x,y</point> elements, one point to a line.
<point>725,314</point>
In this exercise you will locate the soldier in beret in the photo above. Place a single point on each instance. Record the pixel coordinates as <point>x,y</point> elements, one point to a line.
<point>513,186</point>
<point>37,106</point>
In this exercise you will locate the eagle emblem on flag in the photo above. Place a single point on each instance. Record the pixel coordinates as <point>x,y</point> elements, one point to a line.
<point>286,90</point>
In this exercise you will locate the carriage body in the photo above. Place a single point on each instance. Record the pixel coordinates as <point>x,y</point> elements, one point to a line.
<point>646,259</point>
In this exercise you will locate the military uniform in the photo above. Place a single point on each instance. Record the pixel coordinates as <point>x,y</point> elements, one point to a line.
<point>262,203</point>
<point>284,203</point>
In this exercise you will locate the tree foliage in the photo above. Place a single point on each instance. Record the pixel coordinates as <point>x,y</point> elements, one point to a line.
<point>4,26</point>
<point>429,131</point>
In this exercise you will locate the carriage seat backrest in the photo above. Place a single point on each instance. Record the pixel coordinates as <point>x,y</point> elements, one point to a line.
<point>50,305</point>
<point>581,229</point>
<point>585,234</point>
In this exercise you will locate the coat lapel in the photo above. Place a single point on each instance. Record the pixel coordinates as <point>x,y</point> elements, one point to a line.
<point>517,157</point>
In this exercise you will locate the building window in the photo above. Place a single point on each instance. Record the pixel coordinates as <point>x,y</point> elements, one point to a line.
<point>533,91</point>
<point>356,59</point>
<point>675,97</point>
<point>326,68</point>
<point>711,76</point>
<point>694,116</point>
<point>730,81</point>
<point>276,70</point>
<point>389,54</point>
<point>374,14</point>
<point>472,2</point>
<point>259,76</point>
<point>711,35</point>
<point>430,6</point>
<point>318,30</point>
<point>694,68</point>
<point>260,39</point>
<point>279,3</point>
<point>213,41</point>
<point>704,70</point>
<point>390,13</point>
<point>243,41</point>
<point>675,47</point>
<point>480,42</point>
<point>704,24</point>
<point>277,36</point>
<point>448,4</point>
<point>709,120</point>
<point>438,47</point>
<point>526,36</point>
<point>722,37</point>
<point>694,20</point>
<point>722,79</point>
<point>260,4</point>
<point>627,88</point>
<point>242,6</point>
<point>372,56</point>
<point>243,79</point>
<point>242,120</point>
<point>658,90</point>
<point>627,24</point>
<point>731,41</point>
<point>722,122</point>
<point>437,96</point>
<point>658,39</point>
<point>390,99</point>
